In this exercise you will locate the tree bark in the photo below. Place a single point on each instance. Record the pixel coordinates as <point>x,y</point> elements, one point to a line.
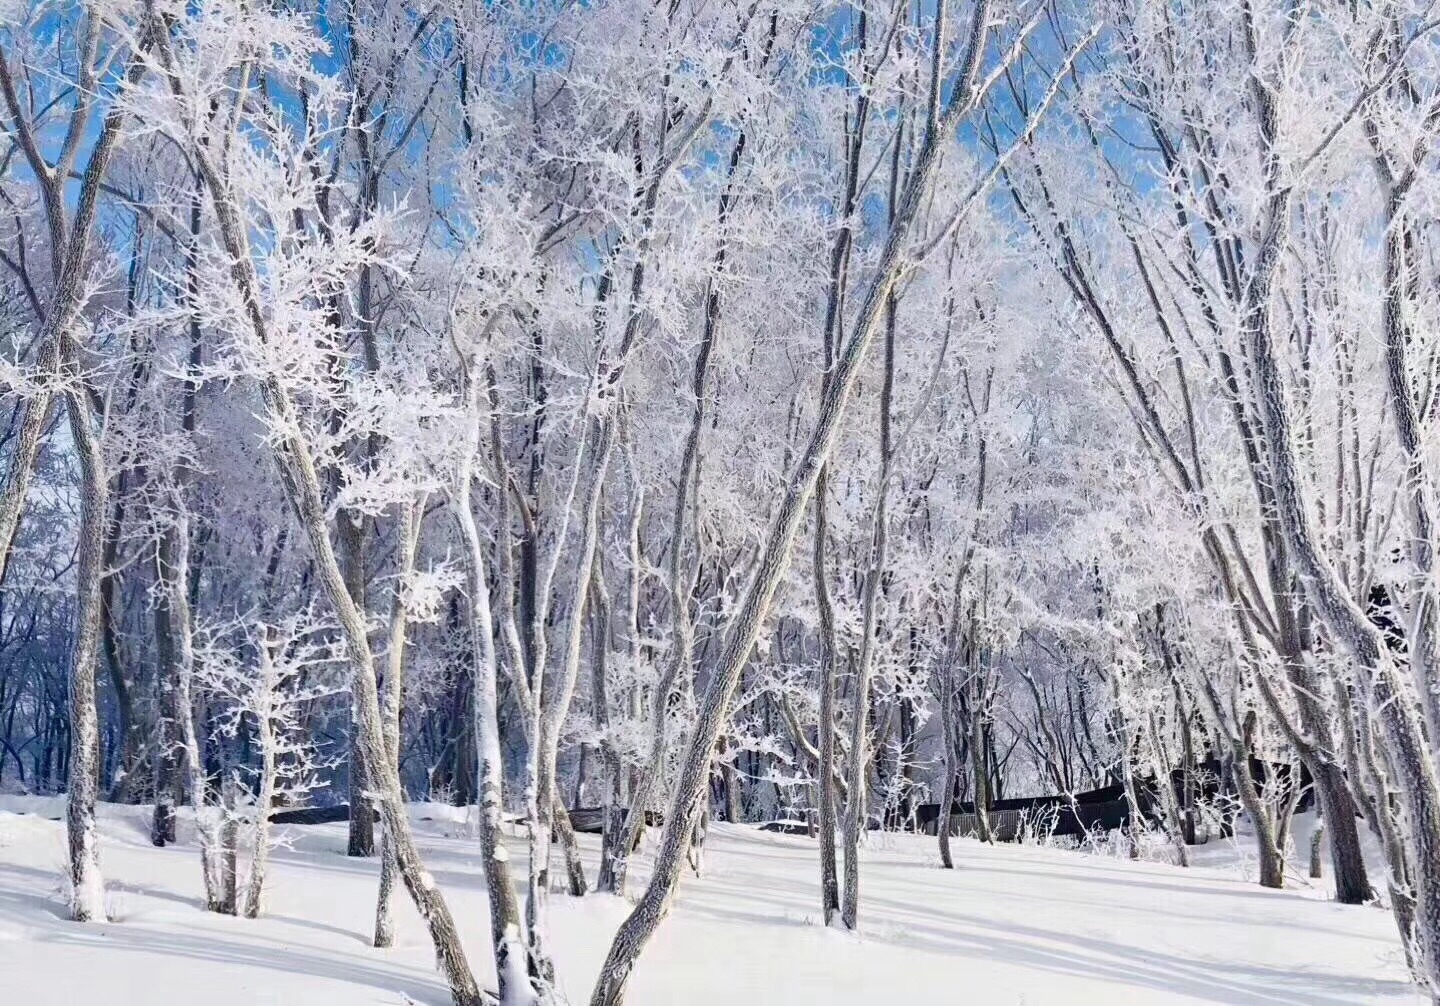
<point>390,703</point>
<point>825,769</point>
<point>265,799</point>
<point>87,891</point>
<point>360,841</point>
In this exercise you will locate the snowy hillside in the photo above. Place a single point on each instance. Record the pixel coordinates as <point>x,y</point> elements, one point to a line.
<point>1011,925</point>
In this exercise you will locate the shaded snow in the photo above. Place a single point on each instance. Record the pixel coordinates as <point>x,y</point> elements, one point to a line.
<point>1012,925</point>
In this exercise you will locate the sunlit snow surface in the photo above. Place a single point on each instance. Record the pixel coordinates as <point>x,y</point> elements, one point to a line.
<point>1011,925</point>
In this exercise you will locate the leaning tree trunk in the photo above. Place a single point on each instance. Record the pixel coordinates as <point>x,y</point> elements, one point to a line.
<point>302,485</point>
<point>1387,695</point>
<point>1334,803</point>
<point>1383,824</point>
<point>654,904</point>
<point>745,627</point>
<point>1317,747</point>
<point>1418,491</point>
<point>680,581</point>
<point>1381,681</point>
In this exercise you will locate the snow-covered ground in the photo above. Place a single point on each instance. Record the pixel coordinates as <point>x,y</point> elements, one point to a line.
<point>1012,925</point>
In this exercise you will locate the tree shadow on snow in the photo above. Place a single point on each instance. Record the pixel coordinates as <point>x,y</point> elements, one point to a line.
<point>267,956</point>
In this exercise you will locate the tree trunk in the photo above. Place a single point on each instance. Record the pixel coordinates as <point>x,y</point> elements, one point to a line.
<point>390,703</point>
<point>168,784</point>
<point>229,843</point>
<point>128,727</point>
<point>265,799</point>
<point>825,771</point>
<point>1188,829</point>
<point>1335,810</point>
<point>177,652</point>
<point>515,963</point>
<point>549,817</point>
<point>1165,784</point>
<point>857,807</point>
<point>612,824</point>
<point>947,785</point>
<point>69,260</point>
<point>87,892</point>
<point>565,834</point>
<point>361,838</point>
<point>731,779</point>
<point>979,763</point>
<point>22,461</point>
<point>652,907</point>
